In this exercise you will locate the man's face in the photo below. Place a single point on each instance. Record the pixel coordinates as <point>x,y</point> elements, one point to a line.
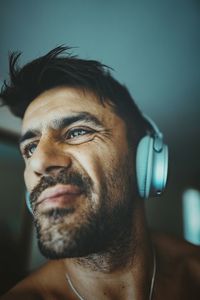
<point>79,172</point>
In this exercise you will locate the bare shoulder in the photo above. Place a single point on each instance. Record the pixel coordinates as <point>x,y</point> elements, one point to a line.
<point>45,283</point>
<point>179,266</point>
<point>179,250</point>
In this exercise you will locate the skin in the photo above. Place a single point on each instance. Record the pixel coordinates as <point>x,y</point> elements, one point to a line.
<point>126,271</point>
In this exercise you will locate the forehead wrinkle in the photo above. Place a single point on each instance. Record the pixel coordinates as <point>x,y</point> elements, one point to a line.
<point>75,117</point>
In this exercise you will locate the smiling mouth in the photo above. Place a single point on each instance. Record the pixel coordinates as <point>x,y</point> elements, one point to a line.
<point>59,196</point>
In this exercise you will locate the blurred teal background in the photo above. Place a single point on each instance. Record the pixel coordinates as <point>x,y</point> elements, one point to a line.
<point>153,46</point>
<point>154,49</point>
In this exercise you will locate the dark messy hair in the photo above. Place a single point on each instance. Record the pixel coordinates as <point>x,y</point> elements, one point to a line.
<point>60,68</point>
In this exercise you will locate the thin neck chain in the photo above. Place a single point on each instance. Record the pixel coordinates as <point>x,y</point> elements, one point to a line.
<point>73,288</point>
<point>151,287</point>
<point>153,274</point>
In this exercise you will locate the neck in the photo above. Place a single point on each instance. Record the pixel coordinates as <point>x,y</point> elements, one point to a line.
<point>128,262</point>
<point>118,256</point>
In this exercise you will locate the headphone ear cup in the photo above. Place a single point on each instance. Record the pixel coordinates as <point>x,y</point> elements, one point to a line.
<point>28,202</point>
<point>159,170</point>
<point>144,161</point>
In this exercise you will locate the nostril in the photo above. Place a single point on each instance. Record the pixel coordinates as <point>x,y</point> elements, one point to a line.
<point>49,162</point>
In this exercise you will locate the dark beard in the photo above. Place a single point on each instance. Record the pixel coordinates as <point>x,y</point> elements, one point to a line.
<point>96,230</point>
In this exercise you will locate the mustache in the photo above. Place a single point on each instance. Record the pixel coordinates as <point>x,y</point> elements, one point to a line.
<point>83,182</point>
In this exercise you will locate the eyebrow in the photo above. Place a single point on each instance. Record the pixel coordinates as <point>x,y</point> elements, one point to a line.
<point>61,123</point>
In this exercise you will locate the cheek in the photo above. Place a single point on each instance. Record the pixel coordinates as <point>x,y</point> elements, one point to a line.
<point>98,162</point>
<point>90,162</point>
<point>28,179</point>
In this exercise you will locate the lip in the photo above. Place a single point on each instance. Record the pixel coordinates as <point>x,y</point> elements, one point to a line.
<point>59,191</point>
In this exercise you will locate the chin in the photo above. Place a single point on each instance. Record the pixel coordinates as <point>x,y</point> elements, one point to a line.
<point>60,235</point>
<point>60,245</point>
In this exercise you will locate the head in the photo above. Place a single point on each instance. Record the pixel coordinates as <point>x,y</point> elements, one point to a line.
<point>79,136</point>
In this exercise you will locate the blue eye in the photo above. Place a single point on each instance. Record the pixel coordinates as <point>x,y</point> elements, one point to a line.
<point>29,149</point>
<point>75,133</point>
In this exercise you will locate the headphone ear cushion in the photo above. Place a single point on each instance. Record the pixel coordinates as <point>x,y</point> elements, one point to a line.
<point>144,161</point>
<point>28,202</point>
<point>160,170</point>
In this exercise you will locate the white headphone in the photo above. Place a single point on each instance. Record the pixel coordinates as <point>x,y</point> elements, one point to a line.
<point>151,163</point>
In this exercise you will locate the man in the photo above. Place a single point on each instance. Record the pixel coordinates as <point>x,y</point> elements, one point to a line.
<point>80,134</point>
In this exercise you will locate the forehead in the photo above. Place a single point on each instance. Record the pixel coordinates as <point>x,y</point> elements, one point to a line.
<point>63,101</point>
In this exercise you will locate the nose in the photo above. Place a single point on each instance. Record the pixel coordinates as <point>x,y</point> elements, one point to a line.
<point>49,159</point>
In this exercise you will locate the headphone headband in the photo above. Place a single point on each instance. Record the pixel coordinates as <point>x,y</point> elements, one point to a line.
<point>154,126</point>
